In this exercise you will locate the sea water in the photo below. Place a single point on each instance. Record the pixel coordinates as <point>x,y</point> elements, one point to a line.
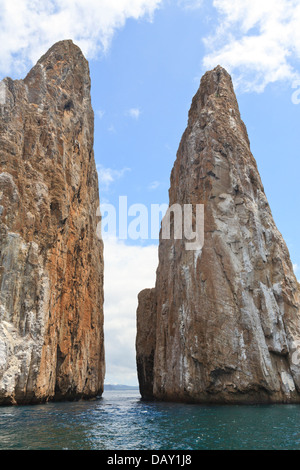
<point>121,421</point>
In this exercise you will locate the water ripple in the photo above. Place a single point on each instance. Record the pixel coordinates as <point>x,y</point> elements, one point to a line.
<point>122,421</point>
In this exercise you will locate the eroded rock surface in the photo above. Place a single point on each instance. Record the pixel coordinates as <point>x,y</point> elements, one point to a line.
<point>223,323</point>
<point>51,260</point>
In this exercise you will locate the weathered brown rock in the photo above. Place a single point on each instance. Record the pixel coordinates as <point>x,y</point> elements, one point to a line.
<point>51,261</point>
<point>225,320</point>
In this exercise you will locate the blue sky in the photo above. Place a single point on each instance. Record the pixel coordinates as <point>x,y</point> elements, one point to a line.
<point>146,59</point>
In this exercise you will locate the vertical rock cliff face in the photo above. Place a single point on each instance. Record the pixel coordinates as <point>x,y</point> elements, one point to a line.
<point>223,323</point>
<point>51,261</point>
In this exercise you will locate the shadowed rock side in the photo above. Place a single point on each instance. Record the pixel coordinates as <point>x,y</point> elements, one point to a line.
<point>145,341</point>
<point>51,261</point>
<point>222,324</point>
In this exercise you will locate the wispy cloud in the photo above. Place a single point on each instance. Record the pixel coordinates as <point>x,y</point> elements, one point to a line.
<point>112,129</point>
<point>29,27</point>
<point>258,42</point>
<point>133,113</point>
<point>154,185</point>
<point>107,176</point>
<point>190,4</point>
<point>100,113</point>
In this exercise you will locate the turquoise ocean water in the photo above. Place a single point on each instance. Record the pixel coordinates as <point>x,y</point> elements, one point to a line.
<point>121,421</point>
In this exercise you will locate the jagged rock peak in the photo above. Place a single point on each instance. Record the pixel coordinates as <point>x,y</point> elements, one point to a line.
<point>222,324</point>
<point>51,274</point>
<point>61,72</point>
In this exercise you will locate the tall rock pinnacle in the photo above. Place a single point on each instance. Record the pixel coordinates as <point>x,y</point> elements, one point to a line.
<point>51,261</point>
<point>222,324</point>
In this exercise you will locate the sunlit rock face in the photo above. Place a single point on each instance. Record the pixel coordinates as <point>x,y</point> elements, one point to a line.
<point>223,323</point>
<point>51,260</point>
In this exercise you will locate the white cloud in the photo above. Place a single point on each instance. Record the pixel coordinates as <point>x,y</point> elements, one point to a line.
<point>100,113</point>
<point>112,129</point>
<point>190,4</point>
<point>134,113</point>
<point>107,176</point>
<point>29,27</point>
<point>154,185</point>
<point>257,41</point>
<point>127,271</point>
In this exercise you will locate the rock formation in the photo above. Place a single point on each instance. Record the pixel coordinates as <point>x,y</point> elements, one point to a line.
<point>51,261</point>
<point>222,324</point>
